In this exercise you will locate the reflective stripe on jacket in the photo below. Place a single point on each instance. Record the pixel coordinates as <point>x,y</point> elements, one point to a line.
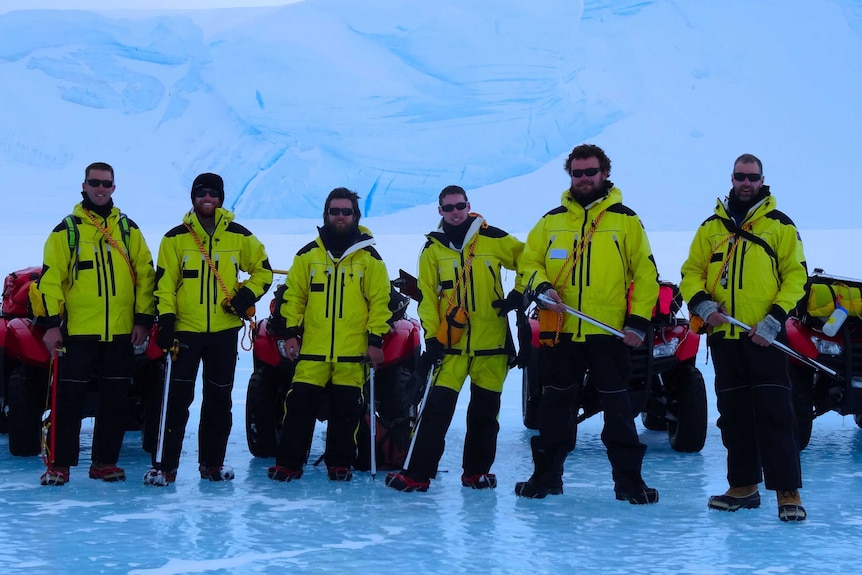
<point>186,285</point>
<point>92,282</point>
<point>617,255</point>
<point>755,283</point>
<point>440,266</point>
<point>338,302</point>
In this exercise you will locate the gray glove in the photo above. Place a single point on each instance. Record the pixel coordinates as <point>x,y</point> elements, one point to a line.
<point>705,309</point>
<point>768,328</point>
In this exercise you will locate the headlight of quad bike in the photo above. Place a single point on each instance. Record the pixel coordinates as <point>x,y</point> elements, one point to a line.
<point>666,348</point>
<point>827,347</point>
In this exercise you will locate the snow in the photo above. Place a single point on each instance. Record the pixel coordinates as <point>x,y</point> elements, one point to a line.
<point>396,102</point>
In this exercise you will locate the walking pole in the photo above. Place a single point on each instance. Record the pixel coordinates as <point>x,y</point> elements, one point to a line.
<point>52,421</point>
<point>372,423</point>
<point>163,415</point>
<point>419,418</point>
<point>789,351</point>
<point>581,315</point>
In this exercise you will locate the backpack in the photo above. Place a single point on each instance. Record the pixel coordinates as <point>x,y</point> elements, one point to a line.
<point>16,291</point>
<point>36,303</point>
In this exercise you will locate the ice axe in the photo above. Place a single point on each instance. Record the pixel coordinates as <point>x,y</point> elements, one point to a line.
<point>50,427</point>
<point>372,423</point>
<point>581,315</point>
<point>163,414</point>
<point>789,351</point>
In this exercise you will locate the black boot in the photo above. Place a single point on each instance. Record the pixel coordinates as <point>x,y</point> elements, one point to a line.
<point>547,478</point>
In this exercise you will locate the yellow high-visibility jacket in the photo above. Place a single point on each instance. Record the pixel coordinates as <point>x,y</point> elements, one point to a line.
<point>185,283</point>
<point>617,258</point>
<point>729,269</point>
<point>440,267</point>
<point>339,304</point>
<point>88,287</point>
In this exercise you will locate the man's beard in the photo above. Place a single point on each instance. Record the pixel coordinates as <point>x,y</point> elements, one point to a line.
<point>347,230</point>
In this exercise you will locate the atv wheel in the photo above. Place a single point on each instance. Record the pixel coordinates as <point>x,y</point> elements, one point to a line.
<point>261,406</point>
<point>802,394</point>
<point>858,418</point>
<point>686,412</point>
<point>4,421</point>
<point>26,401</point>
<point>653,417</point>
<point>531,392</point>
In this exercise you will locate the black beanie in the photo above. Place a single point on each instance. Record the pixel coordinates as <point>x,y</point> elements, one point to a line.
<point>210,182</point>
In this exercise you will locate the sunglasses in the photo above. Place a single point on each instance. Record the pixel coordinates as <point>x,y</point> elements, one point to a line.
<point>452,207</point>
<point>740,177</point>
<point>97,183</point>
<point>340,211</point>
<point>589,172</point>
<point>203,192</point>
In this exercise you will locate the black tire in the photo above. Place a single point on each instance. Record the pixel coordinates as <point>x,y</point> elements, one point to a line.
<point>28,387</point>
<point>531,392</point>
<point>261,408</point>
<point>654,415</point>
<point>858,418</point>
<point>687,411</point>
<point>802,394</point>
<point>4,421</point>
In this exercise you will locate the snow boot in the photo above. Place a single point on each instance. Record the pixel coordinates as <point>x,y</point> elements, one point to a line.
<point>480,481</point>
<point>745,497</point>
<point>403,482</point>
<point>279,473</point>
<point>643,496</point>
<point>107,473</point>
<point>790,506</point>
<point>55,476</point>
<point>217,473</point>
<point>339,474</point>
<point>547,478</point>
<point>159,478</point>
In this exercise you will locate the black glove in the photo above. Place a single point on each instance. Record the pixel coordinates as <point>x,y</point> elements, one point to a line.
<point>242,304</point>
<point>525,341</point>
<point>166,335</point>
<point>515,300</point>
<point>433,352</point>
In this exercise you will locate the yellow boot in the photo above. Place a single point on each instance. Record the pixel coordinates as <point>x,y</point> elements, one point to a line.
<point>735,498</point>
<point>790,506</point>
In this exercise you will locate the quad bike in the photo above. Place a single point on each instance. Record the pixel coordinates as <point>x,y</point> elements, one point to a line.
<point>397,389</point>
<point>25,366</point>
<point>815,390</point>
<point>665,386</point>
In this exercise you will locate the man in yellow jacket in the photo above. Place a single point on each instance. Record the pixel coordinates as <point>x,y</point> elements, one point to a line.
<point>589,253</point>
<point>202,302</point>
<point>335,314</point>
<point>460,267</point>
<point>97,292</point>
<point>746,260</point>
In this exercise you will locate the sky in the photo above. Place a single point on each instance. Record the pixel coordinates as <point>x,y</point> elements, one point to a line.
<point>674,92</point>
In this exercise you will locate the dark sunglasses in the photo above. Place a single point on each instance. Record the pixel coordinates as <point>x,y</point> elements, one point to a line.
<point>452,207</point>
<point>740,177</point>
<point>97,183</point>
<point>590,172</point>
<point>342,211</point>
<point>203,192</point>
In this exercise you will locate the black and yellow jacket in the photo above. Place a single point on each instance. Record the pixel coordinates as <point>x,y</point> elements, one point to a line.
<point>87,286</point>
<point>440,267</point>
<point>733,270</point>
<point>596,280</point>
<point>185,283</point>
<point>340,304</point>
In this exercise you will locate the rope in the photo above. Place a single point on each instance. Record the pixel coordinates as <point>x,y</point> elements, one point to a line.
<point>113,243</point>
<point>246,332</point>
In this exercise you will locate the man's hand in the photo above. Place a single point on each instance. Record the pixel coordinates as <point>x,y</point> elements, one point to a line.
<point>139,334</point>
<point>633,337</point>
<point>433,351</point>
<point>291,349</point>
<point>166,336</point>
<point>710,312</point>
<point>765,332</point>
<point>515,300</point>
<point>558,306</point>
<point>53,339</point>
<point>375,355</point>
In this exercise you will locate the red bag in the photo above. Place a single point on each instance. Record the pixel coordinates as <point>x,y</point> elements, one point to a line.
<point>16,289</point>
